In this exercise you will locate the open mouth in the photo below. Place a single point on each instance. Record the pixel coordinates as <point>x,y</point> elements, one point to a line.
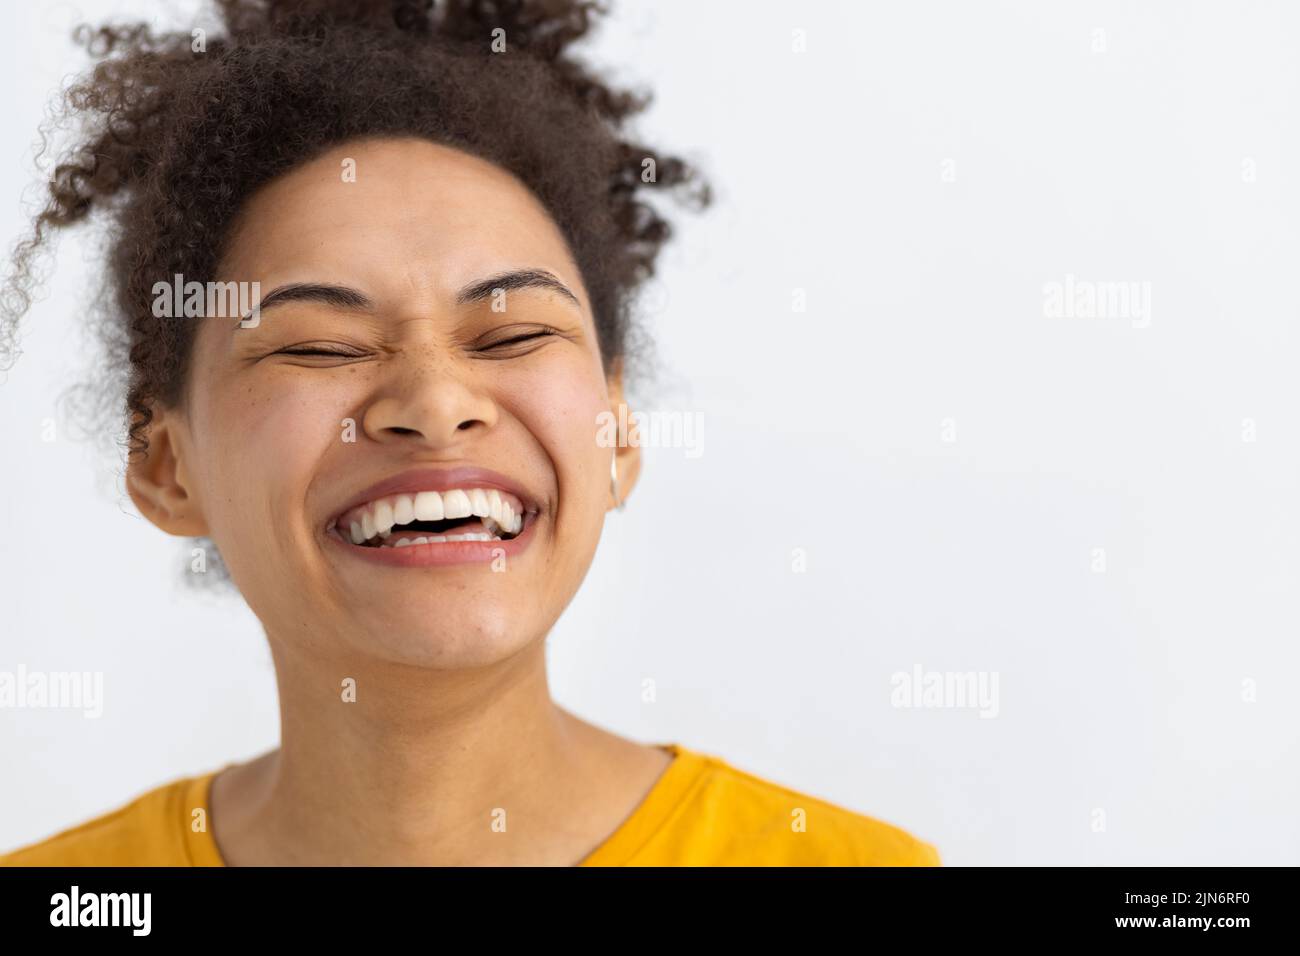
<point>433,517</point>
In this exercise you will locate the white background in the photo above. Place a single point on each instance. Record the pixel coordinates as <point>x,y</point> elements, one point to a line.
<point>1120,691</point>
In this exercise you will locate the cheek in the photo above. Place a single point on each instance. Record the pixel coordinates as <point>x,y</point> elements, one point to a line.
<point>260,442</point>
<point>561,408</point>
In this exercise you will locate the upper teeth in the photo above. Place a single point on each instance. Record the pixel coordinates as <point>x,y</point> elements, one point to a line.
<point>499,510</point>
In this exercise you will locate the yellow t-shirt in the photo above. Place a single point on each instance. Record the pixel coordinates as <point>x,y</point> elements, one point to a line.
<point>700,812</point>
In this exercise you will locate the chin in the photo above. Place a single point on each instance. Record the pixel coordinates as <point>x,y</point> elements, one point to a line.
<point>444,641</point>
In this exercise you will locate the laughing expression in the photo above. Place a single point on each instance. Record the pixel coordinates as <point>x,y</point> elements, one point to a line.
<point>400,458</point>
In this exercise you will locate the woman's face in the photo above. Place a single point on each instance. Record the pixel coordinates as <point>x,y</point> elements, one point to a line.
<point>421,377</point>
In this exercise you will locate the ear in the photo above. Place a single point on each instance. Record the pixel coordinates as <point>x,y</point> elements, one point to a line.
<point>627,454</point>
<point>158,483</point>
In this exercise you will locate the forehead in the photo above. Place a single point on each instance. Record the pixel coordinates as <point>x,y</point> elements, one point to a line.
<point>399,215</point>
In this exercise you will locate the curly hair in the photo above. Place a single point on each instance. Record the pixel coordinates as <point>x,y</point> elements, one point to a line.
<point>176,130</point>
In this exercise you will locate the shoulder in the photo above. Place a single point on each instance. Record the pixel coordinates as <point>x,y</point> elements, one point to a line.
<point>734,817</point>
<point>148,830</point>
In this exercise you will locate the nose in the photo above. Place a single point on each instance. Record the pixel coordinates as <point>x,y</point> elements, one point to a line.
<point>428,399</point>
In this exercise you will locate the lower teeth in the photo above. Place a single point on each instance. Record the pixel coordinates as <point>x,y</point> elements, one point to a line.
<point>390,539</point>
<point>437,539</point>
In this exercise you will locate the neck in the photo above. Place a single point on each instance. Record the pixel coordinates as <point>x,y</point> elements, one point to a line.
<point>428,767</point>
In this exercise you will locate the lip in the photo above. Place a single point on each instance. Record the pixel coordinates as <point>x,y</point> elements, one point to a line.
<point>449,552</point>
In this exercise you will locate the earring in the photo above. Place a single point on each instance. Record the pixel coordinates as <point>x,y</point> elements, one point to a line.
<point>613,481</point>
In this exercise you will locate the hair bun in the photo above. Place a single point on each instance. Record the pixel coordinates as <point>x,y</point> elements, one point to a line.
<point>544,28</point>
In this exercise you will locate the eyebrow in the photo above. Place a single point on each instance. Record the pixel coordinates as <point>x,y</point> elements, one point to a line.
<point>509,281</point>
<point>344,297</point>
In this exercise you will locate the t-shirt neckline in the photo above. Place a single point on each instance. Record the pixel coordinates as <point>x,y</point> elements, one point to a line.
<point>663,797</point>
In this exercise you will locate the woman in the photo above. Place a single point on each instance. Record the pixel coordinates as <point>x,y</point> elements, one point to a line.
<point>395,450</point>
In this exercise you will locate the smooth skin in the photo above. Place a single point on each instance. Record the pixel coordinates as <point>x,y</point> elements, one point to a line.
<point>453,720</point>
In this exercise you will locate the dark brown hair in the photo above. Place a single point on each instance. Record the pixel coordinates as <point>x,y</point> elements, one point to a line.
<point>177,129</point>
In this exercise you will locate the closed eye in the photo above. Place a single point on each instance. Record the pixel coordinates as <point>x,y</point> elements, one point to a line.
<point>515,341</point>
<point>318,350</point>
<point>523,338</point>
